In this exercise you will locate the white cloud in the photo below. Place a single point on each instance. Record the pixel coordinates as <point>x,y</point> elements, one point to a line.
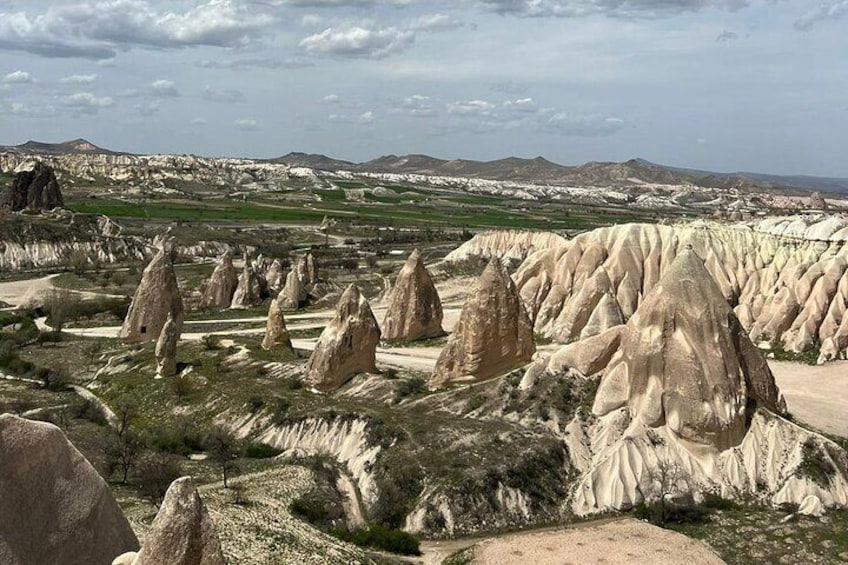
<point>471,108</point>
<point>164,88</point>
<point>417,106</point>
<point>332,99</point>
<point>79,79</point>
<point>99,29</point>
<point>613,8</point>
<point>826,11</point>
<point>246,124</point>
<point>17,77</point>
<point>31,111</point>
<point>149,108</point>
<point>367,117</point>
<point>521,105</point>
<point>86,102</point>
<point>224,96</point>
<point>435,22</point>
<point>358,42</point>
<point>258,63</point>
<point>580,125</point>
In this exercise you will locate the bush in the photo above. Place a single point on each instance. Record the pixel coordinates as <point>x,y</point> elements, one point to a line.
<point>377,537</point>
<point>281,411</point>
<point>211,342</point>
<point>674,513</point>
<point>408,387</point>
<point>155,474</point>
<point>261,451</point>
<point>256,402</point>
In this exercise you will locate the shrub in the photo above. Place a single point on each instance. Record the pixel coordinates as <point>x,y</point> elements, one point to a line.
<point>281,411</point>
<point>211,342</point>
<point>261,451</point>
<point>256,402</point>
<point>408,387</point>
<point>155,474</point>
<point>378,537</point>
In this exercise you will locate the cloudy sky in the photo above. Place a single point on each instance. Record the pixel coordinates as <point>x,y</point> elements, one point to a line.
<point>717,84</point>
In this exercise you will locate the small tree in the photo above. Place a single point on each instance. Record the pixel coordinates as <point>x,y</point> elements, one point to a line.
<point>122,452</point>
<point>126,410</point>
<point>61,305</point>
<point>155,474</point>
<point>224,448</point>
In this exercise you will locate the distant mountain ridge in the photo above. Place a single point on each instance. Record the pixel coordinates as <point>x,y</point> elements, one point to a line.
<point>536,170</point>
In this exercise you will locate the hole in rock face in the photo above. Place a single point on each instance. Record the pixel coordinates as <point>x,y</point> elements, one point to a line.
<point>143,329</point>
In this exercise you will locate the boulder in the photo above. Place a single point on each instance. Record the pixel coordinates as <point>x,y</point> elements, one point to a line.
<point>414,309</point>
<point>276,334</point>
<point>347,346</point>
<point>182,532</point>
<point>36,189</point>
<point>55,507</point>
<point>166,349</point>
<point>494,333</point>
<point>219,289</point>
<point>811,506</point>
<point>156,298</point>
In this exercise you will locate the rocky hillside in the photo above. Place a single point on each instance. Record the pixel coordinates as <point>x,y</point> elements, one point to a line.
<point>787,279</point>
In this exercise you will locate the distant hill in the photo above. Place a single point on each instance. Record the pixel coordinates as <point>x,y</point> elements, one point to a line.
<point>313,161</point>
<point>73,147</point>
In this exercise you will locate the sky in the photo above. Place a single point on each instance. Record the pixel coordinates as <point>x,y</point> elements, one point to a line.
<point>724,85</point>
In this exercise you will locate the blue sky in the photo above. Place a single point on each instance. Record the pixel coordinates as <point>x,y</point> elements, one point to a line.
<point>716,84</point>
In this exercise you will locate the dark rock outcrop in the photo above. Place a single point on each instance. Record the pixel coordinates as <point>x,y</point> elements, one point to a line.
<point>37,189</point>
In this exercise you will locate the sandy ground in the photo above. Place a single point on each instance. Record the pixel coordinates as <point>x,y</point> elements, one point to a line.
<point>622,542</point>
<point>17,292</point>
<point>815,395</point>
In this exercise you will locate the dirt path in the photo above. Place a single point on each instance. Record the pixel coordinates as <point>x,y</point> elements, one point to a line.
<point>815,394</point>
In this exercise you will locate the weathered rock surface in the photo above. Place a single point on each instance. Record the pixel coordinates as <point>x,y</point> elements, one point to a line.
<point>294,293</point>
<point>156,298</point>
<point>166,349</point>
<point>36,189</point>
<point>55,507</point>
<point>249,291</point>
<point>276,334</point>
<point>493,335</point>
<point>506,245</point>
<point>221,286</point>
<point>686,363</point>
<point>182,532</point>
<point>787,277</point>
<point>688,392</point>
<point>275,276</point>
<point>347,346</point>
<point>414,309</point>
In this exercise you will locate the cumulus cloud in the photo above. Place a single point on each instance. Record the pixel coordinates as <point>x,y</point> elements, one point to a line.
<point>417,106</point>
<point>164,89</point>
<point>614,8</point>
<point>98,29</point>
<point>471,108</point>
<point>822,12</point>
<point>86,102</point>
<point>258,63</point>
<point>332,99</point>
<point>148,108</point>
<point>79,79</point>
<point>358,42</point>
<point>17,77</point>
<point>434,22</point>
<point>367,117</point>
<point>224,96</point>
<point>246,124</point>
<point>520,105</point>
<point>579,125</point>
<point>23,110</point>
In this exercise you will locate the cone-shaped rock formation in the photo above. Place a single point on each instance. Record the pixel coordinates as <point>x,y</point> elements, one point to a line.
<point>414,308</point>
<point>347,346</point>
<point>221,286</point>
<point>276,334</point>
<point>55,507</point>
<point>275,276</point>
<point>494,333</point>
<point>156,297</point>
<point>166,349</point>
<point>249,289</point>
<point>182,533</point>
<point>37,189</point>
<point>686,362</point>
<point>294,294</point>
